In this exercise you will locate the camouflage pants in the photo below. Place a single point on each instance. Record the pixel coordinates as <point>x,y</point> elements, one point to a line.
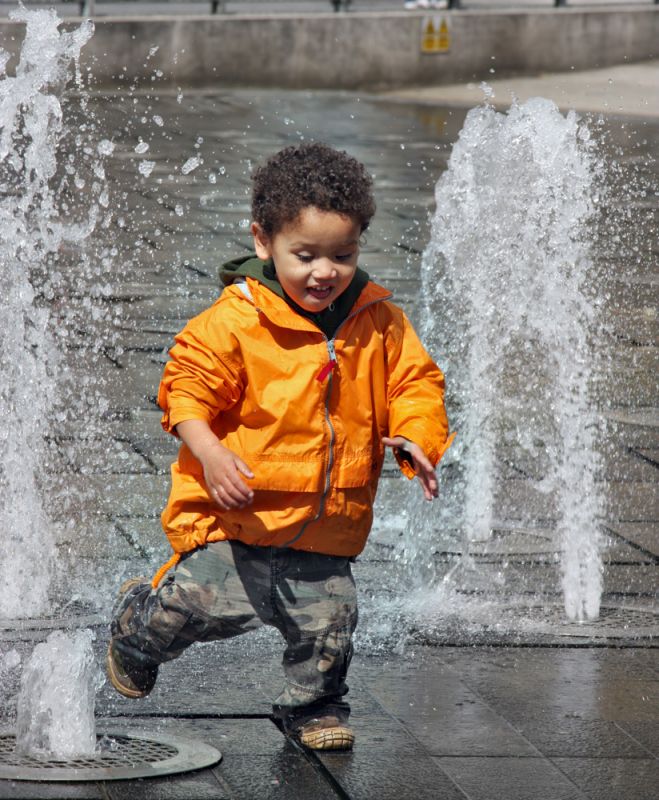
<point>227,588</point>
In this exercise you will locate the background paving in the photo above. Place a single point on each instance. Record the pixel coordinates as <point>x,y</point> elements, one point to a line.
<point>627,90</point>
<point>484,692</point>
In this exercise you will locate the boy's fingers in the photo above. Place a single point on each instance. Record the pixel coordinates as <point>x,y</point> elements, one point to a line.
<point>242,467</point>
<point>232,492</point>
<point>429,483</point>
<point>237,489</point>
<point>423,467</point>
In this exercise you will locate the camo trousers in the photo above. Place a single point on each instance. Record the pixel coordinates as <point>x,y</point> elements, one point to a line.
<point>225,589</point>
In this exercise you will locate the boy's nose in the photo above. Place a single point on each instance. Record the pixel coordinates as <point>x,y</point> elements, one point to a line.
<point>323,269</point>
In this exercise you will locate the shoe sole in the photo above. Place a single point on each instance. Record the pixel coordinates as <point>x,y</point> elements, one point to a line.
<point>329,739</point>
<point>115,679</point>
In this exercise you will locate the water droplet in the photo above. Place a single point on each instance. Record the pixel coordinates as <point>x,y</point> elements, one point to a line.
<point>191,164</point>
<point>105,147</point>
<point>146,168</point>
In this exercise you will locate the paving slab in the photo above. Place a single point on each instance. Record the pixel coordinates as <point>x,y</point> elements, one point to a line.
<point>612,778</point>
<point>572,737</point>
<point>513,778</point>
<point>645,733</point>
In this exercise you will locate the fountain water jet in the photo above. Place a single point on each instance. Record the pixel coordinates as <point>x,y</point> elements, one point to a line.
<point>56,702</point>
<point>57,698</point>
<point>32,231</point>
<point>510,309</point>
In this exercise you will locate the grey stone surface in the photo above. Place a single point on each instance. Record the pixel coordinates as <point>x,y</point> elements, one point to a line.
<point>31,790</point>
<point>577,719</point>
<point>571,737</point>
<point>513,778</point>
<point>626,90</point>
<point>645,733</point>
<point>257,763</point>
<point>609,779</point>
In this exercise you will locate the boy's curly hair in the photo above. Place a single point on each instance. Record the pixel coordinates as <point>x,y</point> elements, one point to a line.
<point>310,174</point>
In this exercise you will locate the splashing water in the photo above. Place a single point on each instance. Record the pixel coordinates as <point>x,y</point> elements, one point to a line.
<point>32,231</point>
<point>509,287</point>
<point>56,701</point>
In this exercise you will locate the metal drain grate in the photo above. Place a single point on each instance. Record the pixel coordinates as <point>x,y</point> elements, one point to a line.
<point>120,756</point>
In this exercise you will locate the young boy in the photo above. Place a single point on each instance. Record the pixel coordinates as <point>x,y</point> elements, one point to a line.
<point>284,394</point>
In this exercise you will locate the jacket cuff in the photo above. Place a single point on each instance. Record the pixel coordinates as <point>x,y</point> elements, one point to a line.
<point>171,418</point>
<point>405,462</point>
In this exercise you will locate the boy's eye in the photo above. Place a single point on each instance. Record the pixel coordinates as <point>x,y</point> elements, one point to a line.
<point>344,257</point>
<point>304,257</point>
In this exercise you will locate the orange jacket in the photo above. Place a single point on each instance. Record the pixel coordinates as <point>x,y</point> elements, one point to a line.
<point>310,430</point>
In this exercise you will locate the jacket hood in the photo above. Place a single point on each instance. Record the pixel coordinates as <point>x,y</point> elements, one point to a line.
<point>328,320</point>
<point>250,266</point>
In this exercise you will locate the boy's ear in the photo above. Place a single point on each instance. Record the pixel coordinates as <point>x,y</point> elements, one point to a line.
<point>261,242</point>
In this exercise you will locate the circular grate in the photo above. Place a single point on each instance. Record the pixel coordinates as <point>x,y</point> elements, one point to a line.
<point>120,756</point>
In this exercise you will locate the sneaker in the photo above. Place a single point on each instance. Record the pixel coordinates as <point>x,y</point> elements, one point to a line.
<point>125,589</point>
<point>129,679</point>
<point>326,733</point>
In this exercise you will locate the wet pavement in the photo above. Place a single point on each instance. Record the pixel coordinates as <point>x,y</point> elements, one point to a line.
<point>630,90</point>
<point>486,693</point>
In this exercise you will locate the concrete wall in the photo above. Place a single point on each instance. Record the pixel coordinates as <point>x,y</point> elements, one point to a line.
<point>352,51</point>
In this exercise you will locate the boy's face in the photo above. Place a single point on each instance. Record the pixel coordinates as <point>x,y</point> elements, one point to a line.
<point>315,256</point>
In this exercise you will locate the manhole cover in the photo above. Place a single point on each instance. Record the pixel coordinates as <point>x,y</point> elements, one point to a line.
<point>120,756</point>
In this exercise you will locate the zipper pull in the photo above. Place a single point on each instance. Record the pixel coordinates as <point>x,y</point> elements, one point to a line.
<point>331,364</point>
<point>325,371</point>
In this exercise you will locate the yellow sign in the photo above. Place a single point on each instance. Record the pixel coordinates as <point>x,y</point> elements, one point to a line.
<point>435,35</point>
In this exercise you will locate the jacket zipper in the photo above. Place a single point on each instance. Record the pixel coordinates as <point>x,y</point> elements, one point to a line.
<point>330,459</point>
<point>327,371</point>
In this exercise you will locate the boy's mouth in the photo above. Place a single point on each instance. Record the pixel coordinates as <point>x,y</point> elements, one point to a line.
<point>319,292</point>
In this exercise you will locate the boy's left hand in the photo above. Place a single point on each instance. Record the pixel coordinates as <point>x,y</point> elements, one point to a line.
<point>425,471</point>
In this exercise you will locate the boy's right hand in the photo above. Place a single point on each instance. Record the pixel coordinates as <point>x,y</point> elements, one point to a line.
<point>222,467</point>
<point>222,471</point>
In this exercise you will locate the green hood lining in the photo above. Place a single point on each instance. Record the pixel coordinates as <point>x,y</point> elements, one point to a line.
<point>250,266</point>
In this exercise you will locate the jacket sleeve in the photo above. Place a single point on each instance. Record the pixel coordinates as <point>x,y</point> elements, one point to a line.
<point>203,376</point>
<point>416,394</point>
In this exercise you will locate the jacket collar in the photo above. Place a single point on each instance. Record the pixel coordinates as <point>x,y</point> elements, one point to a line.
<point>277,310</point>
